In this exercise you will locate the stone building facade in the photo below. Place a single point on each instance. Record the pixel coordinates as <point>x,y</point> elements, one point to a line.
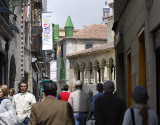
<point>22,56</point>
<point>92,66</point>
<point>6,36</point>
<point>136,26</point>
<point>88,54</point>
<point>76,44</point>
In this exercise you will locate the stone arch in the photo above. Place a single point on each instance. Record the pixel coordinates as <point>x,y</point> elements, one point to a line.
<point>87,72</point>
<point>105,69</point>
<point>83,64</point>
<point>96,62</point>
<point>77,71</point>
<point>103,62</point>
<point>12,74</point>
<point>76,65</point>
<point>89,64</point>
<point>112,68</point>
<point>110,60</point>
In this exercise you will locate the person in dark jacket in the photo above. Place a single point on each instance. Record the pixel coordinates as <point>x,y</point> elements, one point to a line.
<point>99,88</point>
<point>109,108</point>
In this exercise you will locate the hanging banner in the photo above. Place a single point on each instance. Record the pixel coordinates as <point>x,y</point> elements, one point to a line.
<point>26,11</point>
<point>62,70</point>
<point>47,43</point>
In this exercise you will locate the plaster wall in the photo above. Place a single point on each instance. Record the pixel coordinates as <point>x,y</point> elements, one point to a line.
<point>14,49</point>
<point>135,18</point>
<point>78,45</point>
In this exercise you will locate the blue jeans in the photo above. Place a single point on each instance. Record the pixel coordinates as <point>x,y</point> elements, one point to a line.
<point>26,121</point>
<point>80,118</point>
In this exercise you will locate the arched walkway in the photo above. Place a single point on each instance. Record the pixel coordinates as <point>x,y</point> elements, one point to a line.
<point>93,69</point>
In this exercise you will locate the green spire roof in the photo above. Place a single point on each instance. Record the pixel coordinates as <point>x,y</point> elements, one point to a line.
<point>69,22</point>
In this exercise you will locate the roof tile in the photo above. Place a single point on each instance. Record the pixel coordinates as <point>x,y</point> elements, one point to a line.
<point>93,31</point>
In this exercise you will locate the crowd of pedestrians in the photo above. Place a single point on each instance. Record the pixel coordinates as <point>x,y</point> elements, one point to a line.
<point>76,108</point>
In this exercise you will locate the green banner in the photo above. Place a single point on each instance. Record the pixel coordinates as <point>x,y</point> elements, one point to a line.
<point>62,70</point>
<point>55,33</point>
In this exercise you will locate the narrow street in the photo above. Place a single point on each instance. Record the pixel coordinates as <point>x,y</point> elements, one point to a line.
<point>63,50</point>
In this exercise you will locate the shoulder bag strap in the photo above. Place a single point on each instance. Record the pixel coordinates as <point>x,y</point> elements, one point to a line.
<point>132,115</point>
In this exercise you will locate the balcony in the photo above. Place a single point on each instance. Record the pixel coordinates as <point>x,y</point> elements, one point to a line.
<point>4,3</point>
<point>36,38</point>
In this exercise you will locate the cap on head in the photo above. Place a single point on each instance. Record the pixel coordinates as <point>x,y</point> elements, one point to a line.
<point>108,86</point>
<point>78,83</point>
<point>140,94</point>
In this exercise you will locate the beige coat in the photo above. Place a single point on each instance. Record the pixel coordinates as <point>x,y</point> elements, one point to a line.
<point>51,112</point>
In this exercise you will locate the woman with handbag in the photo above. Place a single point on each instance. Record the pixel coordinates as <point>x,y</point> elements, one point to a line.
<point>7,112</point>
<point>140,113</point>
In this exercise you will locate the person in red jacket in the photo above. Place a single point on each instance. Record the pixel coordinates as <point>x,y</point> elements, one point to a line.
<point>64,95</point>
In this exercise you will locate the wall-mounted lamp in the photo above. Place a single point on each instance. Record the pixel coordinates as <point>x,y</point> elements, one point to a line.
<point>51,54</point>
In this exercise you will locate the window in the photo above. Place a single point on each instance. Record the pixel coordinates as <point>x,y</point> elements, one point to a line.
<point>88,45</point>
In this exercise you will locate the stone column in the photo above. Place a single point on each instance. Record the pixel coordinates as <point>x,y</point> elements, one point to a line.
<point>102,73</point>
<point>88,74</point>
<point>95,73</point>
<point>82,74</point>
<point>109,71</point>
<point>114,72</point>
<point>76,74</point>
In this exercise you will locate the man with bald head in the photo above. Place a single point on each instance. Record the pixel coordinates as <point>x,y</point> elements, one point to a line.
<point>80,103</point>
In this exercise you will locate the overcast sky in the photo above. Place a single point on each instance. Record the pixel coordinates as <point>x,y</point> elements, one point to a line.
<point>82,12</point>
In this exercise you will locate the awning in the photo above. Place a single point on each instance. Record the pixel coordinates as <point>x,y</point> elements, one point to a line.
<point>13,27</point>
<point>35,64</point>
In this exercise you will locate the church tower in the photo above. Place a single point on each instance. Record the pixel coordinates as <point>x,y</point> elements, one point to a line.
<point>106,13</point>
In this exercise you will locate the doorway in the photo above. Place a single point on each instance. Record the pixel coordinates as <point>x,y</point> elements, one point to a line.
<point>12,74</point>
<point>129,79</point>
<point>158,81</point>
<point>142,60</point>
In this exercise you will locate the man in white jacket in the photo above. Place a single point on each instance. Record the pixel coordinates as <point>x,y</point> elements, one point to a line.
<point>22,103</point>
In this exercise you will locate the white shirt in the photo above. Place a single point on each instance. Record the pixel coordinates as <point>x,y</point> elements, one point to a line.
<point>22,103</point>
